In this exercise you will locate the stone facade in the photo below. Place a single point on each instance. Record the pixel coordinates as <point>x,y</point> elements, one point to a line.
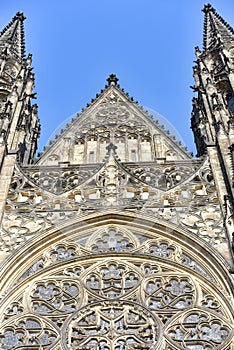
<point>116,238</point>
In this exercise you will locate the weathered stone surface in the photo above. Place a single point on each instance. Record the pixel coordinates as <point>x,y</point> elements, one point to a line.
<point>115,238</point>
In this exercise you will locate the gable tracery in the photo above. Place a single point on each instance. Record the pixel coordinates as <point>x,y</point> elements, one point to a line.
<point>39,198</point>
<point>115,118</point>
<point>158,247</point>
<point>127,135</point>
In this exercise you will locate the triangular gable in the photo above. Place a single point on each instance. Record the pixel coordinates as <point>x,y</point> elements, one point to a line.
<point>112,117</point>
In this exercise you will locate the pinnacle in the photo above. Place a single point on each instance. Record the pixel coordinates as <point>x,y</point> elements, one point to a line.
<point>12,36</point>
<point>208,8</point>
<point>19,15</point>
<point>216,29</point>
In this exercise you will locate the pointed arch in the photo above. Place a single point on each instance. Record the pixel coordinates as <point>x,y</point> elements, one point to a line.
<point>117,261</point>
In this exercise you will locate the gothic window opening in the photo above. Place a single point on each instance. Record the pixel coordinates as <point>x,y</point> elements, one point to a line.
<point>133,155</point>
<point>91,157</point>
<point>230,102</point>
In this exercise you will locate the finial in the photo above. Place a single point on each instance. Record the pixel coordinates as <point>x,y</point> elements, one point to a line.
<point>207,8</point>
<point>111,148</point>
<point>20,16</point>
<point>112,79</point>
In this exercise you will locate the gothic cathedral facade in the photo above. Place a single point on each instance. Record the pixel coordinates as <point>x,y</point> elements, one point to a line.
<point>115,237</point>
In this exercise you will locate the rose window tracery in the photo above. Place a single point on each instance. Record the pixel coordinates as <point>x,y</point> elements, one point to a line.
<point>28,333</point>
<point>60,297</point>
<point>114,305</point>
<point>116,289</point>
<point>113,326</point>
<point>174,293</point>
<point>200,330</point>
<point>112,280</point>
<point>62,253</point>
<point>161,249</point>
<point>112,239</point>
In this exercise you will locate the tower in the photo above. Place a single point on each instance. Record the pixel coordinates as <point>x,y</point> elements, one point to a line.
<point>19,123</point>
<point>116,238</point>
<point>213,108</point>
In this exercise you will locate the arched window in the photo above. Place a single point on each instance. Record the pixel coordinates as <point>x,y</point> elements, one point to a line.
<point>91,157</point>
<point>133,155</point>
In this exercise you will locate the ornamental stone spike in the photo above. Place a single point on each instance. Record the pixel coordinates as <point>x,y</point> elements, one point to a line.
<point>12,38</point>
<point>216,29</point>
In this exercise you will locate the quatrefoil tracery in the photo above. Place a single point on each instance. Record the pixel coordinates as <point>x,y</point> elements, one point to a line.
<point>122,304</point>
<point>112,280</point>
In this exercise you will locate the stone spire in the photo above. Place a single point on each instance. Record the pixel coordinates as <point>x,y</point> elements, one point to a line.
<point>213,108</point>
<point>12,41</point>
<point>216,29</point>
<point>19,123</point>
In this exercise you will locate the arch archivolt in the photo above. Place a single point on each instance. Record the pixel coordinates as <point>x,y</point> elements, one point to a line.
<point>118,284</point>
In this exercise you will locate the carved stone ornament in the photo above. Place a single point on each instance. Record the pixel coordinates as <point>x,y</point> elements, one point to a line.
<point>113,325</point>
<point>115,237</point>
<point>110,113</point>
<point>70,300</point>
<point>38,199</point>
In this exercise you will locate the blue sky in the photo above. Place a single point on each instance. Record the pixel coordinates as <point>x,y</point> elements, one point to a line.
<point>149,44</point>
